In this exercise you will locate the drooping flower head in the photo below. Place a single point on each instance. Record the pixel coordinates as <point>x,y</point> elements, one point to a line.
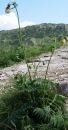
<point>63,41</point>
<point>7,10</point>
<point>12,5</point>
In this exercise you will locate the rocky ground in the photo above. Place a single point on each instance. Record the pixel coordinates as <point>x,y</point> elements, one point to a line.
<point>58,68</point>
<point>57,72</point>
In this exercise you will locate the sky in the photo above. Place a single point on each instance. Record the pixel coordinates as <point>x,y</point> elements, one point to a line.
<point>32,12</point>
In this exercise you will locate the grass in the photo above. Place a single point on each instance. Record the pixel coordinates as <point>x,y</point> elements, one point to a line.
<point>17,55</point>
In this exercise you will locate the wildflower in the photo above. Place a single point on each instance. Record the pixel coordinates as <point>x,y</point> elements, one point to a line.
<point>63,41</point>
<point>7,10</point>
<point>12,5</point>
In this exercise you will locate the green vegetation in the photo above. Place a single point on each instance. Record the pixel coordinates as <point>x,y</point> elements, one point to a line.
<point>36,39</point>
<point>33,35</point>
<point>8,58</point>
<point>31,103</point>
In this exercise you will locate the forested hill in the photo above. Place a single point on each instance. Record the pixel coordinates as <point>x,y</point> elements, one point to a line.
<point>33,35</point>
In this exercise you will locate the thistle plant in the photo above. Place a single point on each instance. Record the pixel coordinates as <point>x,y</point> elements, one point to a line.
<point>13,5</point>
<point>32,104</point>
<point>10,6</point>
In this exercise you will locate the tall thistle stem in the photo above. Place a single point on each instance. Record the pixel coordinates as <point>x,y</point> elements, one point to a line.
<point>20,38</point>
<point>48,65</point>
<point>46,72</point>
<point>20,41</point>
<point>7,10</point>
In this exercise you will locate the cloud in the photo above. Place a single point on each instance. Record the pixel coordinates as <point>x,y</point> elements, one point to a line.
<point>26,23</point>
<point>9,21</point>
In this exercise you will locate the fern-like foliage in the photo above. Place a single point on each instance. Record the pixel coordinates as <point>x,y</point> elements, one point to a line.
<point>57,121</point>
<point>33,105</point>
<point>43,113</point>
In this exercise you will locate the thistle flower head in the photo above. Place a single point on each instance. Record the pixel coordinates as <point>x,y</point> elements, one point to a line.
<point>63,41</point>
<point>12,5</point>
<point>7,10</point>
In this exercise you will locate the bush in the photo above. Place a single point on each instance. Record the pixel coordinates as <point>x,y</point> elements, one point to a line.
<point>4,59</point>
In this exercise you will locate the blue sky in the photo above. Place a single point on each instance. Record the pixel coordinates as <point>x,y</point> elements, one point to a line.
<point>34,12</point>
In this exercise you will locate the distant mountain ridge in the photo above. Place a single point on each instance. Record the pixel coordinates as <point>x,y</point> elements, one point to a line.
<point>33,35</point>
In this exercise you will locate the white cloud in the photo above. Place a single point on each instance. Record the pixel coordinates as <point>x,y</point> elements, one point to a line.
<point>9,21</point>
<point>26,23</point>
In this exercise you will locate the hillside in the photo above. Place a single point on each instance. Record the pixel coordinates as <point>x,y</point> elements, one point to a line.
<point>33,35</point>
<point>34,87</point>
<point>36,39</point>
